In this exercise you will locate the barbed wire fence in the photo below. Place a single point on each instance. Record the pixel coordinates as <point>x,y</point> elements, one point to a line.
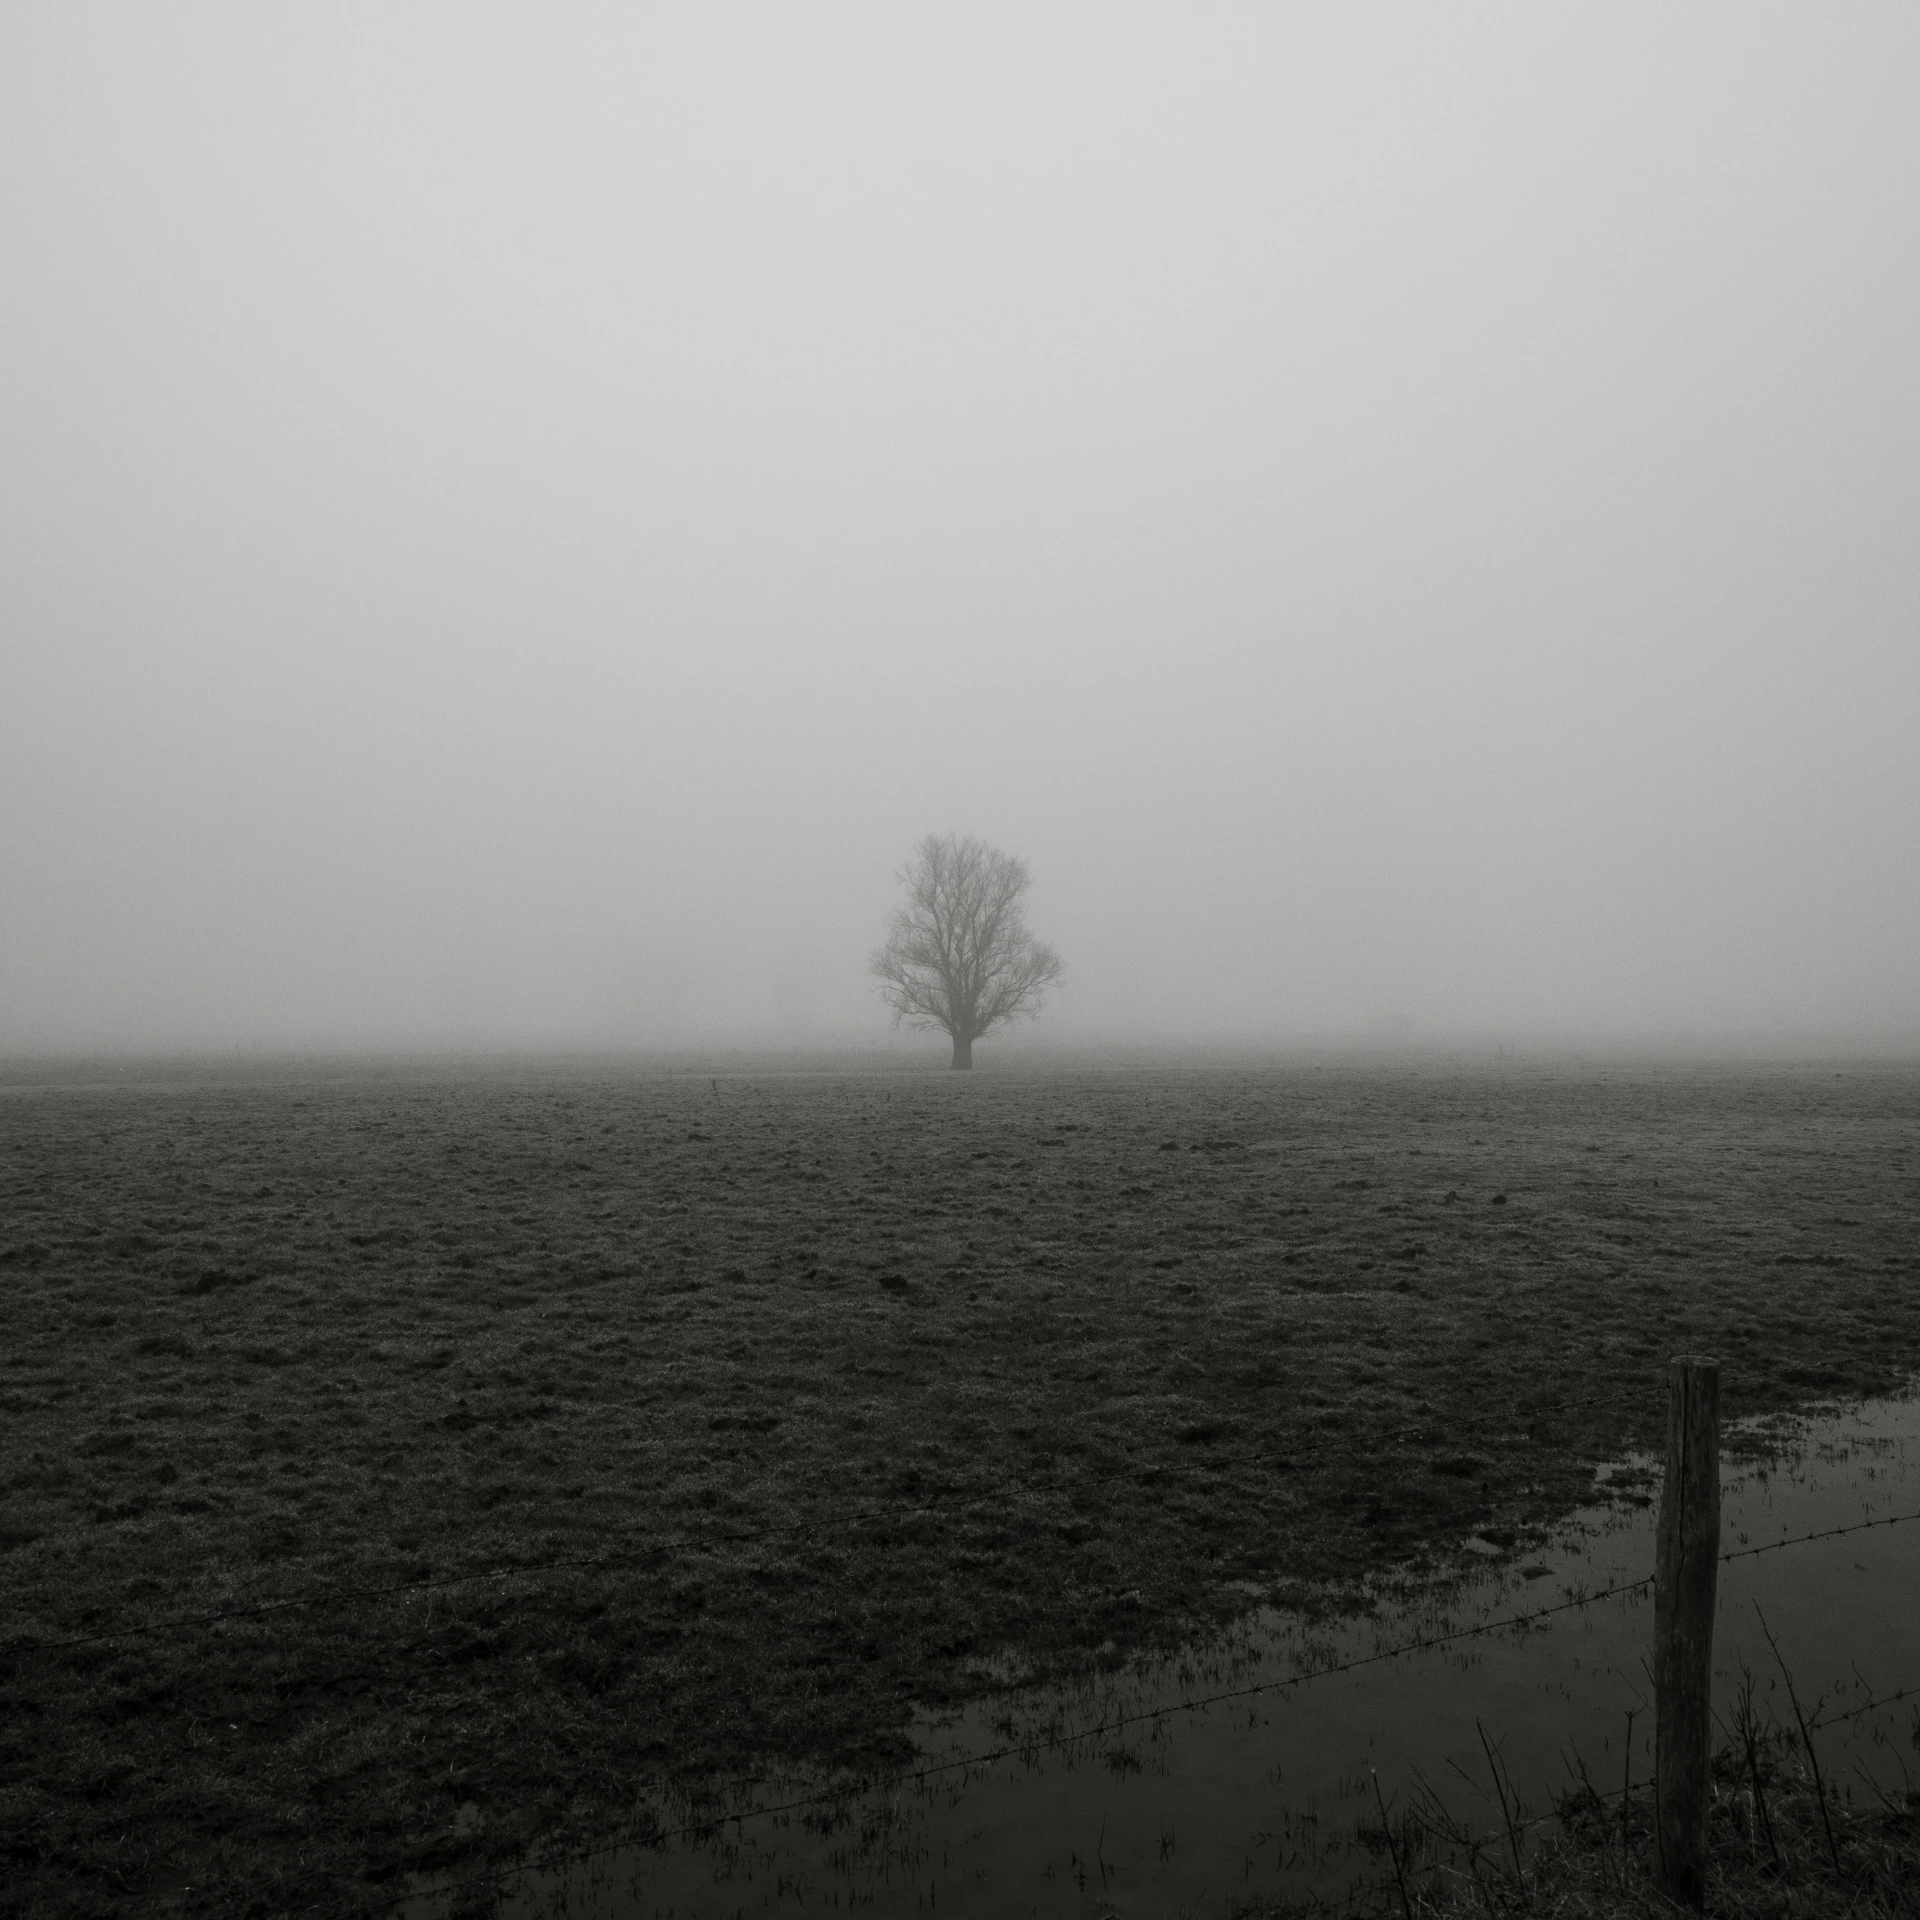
<point>1026,1748</point>
<point>1030,1748</point>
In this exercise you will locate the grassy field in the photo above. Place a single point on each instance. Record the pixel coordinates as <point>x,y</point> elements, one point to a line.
<point>1093,1359</point>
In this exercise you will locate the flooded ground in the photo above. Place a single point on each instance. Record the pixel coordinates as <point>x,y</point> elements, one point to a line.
<point>1123,1798</point>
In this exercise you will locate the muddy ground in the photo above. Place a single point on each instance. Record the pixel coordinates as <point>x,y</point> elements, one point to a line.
<point>851,1389</point>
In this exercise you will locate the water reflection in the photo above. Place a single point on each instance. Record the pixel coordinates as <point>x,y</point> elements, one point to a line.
<point>1114,1798</point>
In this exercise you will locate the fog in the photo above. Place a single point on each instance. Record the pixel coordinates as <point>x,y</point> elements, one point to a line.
<point>513,523</point>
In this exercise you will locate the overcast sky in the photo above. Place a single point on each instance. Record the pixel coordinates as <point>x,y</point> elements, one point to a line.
<point>513,522</point>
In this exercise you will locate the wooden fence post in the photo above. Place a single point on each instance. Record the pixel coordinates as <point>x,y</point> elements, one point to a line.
<point>1685,1581</point>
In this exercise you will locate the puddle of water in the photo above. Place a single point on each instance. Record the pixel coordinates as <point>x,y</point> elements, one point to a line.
<point>1271,1794</point>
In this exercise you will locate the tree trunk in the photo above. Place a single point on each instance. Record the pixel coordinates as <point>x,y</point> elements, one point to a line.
<point>962,1054</point>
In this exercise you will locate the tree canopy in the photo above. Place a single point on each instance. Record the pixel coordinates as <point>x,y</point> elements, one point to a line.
<point>958,956</point>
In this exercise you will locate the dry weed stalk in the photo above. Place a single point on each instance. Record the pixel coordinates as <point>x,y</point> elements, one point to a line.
<point>1783,1844</point>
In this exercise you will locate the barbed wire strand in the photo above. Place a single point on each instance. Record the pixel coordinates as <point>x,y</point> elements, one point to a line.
<point>1825,1533</point>
<point>1820,1720</point>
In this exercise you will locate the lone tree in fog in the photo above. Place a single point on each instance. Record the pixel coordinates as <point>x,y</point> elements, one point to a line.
<point>958,956</point>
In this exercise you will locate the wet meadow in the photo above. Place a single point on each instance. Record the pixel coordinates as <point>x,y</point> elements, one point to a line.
<point>406,1463</point>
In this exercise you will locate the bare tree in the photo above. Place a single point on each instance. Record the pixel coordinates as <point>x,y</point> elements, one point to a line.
<point>958,956</point>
